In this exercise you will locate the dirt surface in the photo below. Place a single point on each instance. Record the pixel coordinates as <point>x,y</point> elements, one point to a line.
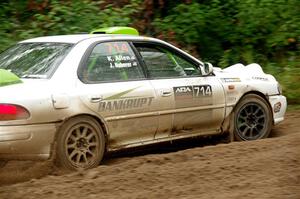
<point>268,168</point>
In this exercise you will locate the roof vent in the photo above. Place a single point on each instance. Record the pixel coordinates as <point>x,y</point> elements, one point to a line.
<point>116,30</point>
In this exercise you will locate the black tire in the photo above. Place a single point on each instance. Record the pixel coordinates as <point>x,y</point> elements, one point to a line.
<point>252,118</point>
<point>80,144</point>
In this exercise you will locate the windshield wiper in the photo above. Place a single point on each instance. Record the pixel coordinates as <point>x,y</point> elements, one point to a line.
<point>33,76</point>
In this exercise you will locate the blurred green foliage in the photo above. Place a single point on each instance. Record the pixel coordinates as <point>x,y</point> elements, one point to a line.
<point>223,32</point>
<point>22,19</point>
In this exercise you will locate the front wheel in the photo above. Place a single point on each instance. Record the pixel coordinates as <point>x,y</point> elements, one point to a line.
<point>252,118</point>
<point>80,144</point>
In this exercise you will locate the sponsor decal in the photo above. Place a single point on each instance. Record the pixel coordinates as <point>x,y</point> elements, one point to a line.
<point>189,92</point>
<point>261,78</point>
<point>183,89</point>
<point>120,102</point>
<point>124,104</point>
<point>228,80</point>
<point>277,107</point>
<point>183,92</point>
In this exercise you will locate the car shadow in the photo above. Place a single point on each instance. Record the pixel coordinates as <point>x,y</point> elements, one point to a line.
<point>164,147</point>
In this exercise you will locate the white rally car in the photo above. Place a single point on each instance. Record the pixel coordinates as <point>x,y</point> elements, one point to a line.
<point>75,97</point>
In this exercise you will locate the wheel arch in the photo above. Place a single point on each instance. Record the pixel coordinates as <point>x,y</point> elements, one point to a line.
<point>227,123</point>
<point>99,121</point>
<point>262,95</point>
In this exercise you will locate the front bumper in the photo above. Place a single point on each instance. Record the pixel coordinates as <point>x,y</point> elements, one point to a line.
<point>24,142</point>
<point>279,105</point>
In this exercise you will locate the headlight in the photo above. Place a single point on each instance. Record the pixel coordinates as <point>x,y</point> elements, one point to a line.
<point>279,88</point>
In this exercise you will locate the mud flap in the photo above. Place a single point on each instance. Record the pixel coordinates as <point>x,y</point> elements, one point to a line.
<point>228,128</point>
<point>231,127</point>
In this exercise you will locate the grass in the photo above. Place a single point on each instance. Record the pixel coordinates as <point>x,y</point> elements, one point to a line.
<point>293,107</point>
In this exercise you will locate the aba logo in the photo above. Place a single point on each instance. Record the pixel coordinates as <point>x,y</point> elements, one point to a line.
<point>183,89</point>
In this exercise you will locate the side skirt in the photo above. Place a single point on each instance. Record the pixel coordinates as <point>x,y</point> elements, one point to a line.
<point>166,139</point>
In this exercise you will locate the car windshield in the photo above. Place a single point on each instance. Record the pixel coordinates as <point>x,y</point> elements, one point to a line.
<point>34,60</point>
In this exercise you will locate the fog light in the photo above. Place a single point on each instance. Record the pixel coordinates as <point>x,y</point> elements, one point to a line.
<point>277,107</point>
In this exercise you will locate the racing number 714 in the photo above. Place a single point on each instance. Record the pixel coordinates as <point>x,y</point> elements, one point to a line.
<point>202,91</point>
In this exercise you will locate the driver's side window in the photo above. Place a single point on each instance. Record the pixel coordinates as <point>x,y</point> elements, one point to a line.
<point>162,63</point>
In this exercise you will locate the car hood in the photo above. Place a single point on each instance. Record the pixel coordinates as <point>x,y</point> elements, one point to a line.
<point>250,72</point>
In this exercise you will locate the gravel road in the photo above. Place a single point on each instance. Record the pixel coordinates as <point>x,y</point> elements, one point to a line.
<point>268,168</point>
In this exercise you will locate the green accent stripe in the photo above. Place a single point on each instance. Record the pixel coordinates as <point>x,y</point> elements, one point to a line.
<point>119,95</point>
<point>9,83</point>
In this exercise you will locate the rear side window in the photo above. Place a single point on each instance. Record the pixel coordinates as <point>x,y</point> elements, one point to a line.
<point>34,60</point>
<point>111,61</point>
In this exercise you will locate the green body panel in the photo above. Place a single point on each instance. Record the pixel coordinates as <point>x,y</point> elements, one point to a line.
<point>8,78</point>
<point>116,30</point>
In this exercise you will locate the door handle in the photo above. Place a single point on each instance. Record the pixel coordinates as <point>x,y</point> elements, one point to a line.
<point>95,99</point>
<point>166,93</point>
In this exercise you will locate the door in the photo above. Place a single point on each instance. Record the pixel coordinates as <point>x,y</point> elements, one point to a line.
<point>195,102</point>
<point>114,86</point>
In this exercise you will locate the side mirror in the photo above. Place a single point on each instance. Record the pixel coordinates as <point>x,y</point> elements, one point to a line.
<point>207,68</point>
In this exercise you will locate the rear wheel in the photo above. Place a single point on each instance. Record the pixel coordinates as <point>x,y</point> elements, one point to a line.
<point>252,118</point>
<point>80,144</point>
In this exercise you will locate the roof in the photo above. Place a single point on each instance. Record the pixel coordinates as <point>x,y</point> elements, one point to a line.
<point>77,38</point>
